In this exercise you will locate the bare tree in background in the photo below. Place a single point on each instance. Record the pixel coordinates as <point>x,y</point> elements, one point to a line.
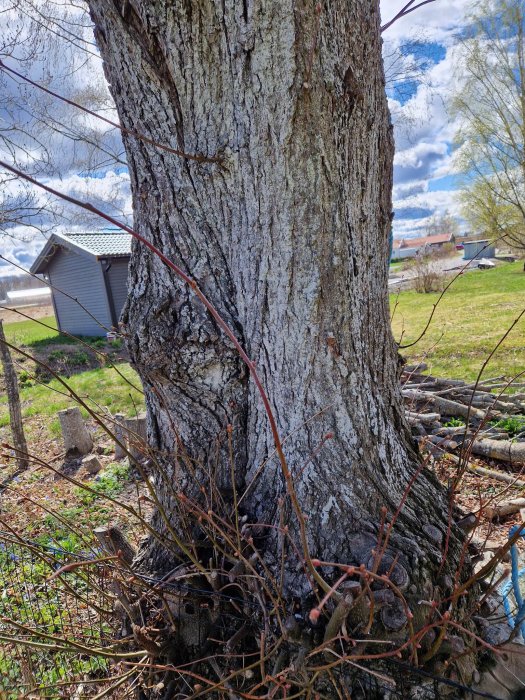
<point>442,224</point>
<point>491,105</point>
<point>53,44</point>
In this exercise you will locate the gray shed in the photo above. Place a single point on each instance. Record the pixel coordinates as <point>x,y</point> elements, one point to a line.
<point>478,249</point>
<point>89,267</point>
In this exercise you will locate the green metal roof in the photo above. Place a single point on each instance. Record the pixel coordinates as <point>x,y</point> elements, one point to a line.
<point>101,244</point>
<point>97,244</point>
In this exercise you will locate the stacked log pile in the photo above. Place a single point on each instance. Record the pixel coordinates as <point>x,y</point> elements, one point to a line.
<point>431,404</point>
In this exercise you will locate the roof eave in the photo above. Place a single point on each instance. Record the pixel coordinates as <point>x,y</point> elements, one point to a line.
<point>44,257</point>
<point>56,241</point>
<point>107,256</point>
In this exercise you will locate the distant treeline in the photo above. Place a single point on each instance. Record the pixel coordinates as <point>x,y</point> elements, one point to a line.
<point>13,283</point>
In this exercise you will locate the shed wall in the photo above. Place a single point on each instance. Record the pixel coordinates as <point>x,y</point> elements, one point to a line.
<point>118,280</point>
<point>81,277</point>
<point>402,253</point>
<point>482,249</point>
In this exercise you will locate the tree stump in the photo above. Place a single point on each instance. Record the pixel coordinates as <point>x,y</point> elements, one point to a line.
<point>120,434</point>
<point>113,541</point>
<point>74,431</point>
<point>136,429</point>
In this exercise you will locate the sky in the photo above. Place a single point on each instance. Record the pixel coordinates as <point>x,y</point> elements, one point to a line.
<point>424,182</point>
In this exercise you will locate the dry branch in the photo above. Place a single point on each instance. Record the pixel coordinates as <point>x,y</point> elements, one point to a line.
<point>445,406</point>
<point>501,510</point>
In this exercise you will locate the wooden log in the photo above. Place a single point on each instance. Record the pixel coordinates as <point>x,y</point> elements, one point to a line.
<point>421,367</point>
<point>497,476</point>
<point>501,510</point>
<point>493,435</point>
<point>504,450</point>
<point>507,673</point>
<point>486,385</point>
<point>424,379</point>
<point>74,431</point>
<point>490,473</point>
<point>425,418</point>
<point>444,406</point>
<point>479,401</point>
<point>443,442</point>
<point>13,400</point>
<point>459,431</point>
<point>421,385</point>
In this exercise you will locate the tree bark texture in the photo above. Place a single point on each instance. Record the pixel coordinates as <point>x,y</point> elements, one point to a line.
<point>288,237</point>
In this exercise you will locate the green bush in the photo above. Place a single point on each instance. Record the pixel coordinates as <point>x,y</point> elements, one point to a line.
<point>110,482</point>
<point>454,422</point>
<point>97,343</point>
<point>79,358</point>
<point>25,379</point>
<point>57,355</point>
<point>513,425</point>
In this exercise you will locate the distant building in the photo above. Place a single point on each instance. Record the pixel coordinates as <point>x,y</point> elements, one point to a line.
<point>36,296</point>
<point>478,249</point>
<point>410,247</point>
<point>91,268</point>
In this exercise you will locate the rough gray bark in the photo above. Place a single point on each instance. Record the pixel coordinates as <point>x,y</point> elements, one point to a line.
<point>13,399</point>
<point>288,237</point>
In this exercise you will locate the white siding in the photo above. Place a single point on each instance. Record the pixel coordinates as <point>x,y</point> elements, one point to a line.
<point>402,253</point>
<point>81,277</point>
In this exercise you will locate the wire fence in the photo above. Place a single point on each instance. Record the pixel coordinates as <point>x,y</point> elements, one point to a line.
<point>57,625</point>
<point>52,621</point>
<point>407,682</point>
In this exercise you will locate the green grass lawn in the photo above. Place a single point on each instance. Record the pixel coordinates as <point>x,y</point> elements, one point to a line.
<point>32,333</point>
<point>101,388</point>
<point>469,321</point>
<point>42,332</point>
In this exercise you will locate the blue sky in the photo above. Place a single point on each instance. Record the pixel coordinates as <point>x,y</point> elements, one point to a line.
<point>424,181</point>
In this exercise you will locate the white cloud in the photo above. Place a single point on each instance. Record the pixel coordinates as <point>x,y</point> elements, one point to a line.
<point>424,128</point>
<point>439,20</point>
<point>21,246</point>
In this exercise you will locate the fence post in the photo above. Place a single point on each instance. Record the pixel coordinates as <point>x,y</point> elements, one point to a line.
<point>13,399</point>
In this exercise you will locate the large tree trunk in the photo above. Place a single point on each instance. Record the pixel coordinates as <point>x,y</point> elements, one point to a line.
<point>288,236</point>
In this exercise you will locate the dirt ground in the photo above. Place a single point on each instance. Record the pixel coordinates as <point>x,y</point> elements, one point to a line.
<point>10,315</point>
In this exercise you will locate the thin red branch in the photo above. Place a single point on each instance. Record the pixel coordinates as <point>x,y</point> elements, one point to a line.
<point>407,9</point>
<point>116,125</point>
